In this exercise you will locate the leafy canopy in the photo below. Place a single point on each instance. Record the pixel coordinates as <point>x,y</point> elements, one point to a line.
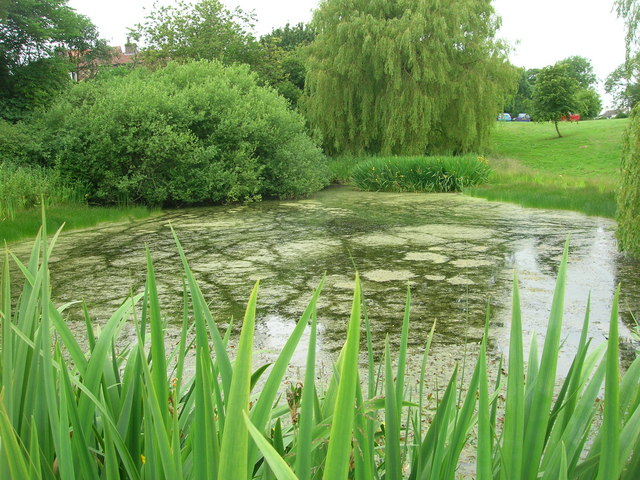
<point>405,77</point>
<point>554,94</point>
<point>624,83</point>
<point>205,30</point>
<point>32,34</point>
<point>199,132</point>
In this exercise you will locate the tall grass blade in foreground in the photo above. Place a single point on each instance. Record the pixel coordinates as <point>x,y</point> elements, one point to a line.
<point>95,411</point>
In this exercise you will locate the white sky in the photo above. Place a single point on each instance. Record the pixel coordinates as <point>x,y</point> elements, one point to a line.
<point>540,31</point>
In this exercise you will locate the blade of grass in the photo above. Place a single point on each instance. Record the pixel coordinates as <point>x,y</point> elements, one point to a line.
<point>235,441</point>
<point>303,456</point>
<point>279,467</point>
<point>610,452</point>
<point>392,462</point>
<point>514,407</point>
<point>339,451</point>
<point>534,434</point>
<point>484,462</point>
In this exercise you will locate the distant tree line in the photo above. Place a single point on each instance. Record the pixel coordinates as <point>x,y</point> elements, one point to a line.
<point>567,86</point>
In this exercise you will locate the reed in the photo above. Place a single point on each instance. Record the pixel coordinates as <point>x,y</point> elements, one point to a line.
<point>69,412</point>
<point>420,174</point>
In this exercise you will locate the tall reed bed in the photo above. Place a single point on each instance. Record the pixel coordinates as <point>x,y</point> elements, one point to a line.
<point>103,413</point>
<point>420,174</point>
<point>24,187</point>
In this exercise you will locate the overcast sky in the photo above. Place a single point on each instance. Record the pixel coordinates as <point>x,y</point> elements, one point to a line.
<point>540,31</point>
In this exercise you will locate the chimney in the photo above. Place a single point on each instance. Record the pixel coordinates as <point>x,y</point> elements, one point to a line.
<point>130,48</point>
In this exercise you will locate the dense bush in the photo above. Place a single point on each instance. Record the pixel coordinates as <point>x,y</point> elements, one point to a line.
<point>420,174</point>
<point>19,143</point>
<point>183,134</point>
<point>629,193</point>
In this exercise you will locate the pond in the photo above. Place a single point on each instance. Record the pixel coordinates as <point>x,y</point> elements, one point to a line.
<point>455,252</point>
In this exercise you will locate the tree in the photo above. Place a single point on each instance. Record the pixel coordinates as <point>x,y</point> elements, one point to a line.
<point>520,101</point>
<point>588,103</point>
<point>34,37</point>
<point>581,70</point>
<point>405,77</point>
<point>282,65</point>
<point>628,199</point>
<point>624,84</point>
<point>554,95</point>
<point>206,30</point>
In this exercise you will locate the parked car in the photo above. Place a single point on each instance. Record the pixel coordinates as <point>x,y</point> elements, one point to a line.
<point>504,117</point>
<point>573,117</point>
<point>522,117</point>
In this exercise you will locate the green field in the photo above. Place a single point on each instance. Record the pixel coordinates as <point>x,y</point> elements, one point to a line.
<point>535,168</point>
<point>586,149</point>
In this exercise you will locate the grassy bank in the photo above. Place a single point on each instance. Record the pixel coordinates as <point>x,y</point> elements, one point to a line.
<point>534,168</point>
<point>24,188</point>
<point>26,223</point>
<point>511,181</point>
<point>134,414</point>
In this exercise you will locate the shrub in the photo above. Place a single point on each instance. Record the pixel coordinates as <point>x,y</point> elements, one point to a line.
<point>193,133</point>
<point>19,143</point>
<point>420,174</point>
<point>628,213</point>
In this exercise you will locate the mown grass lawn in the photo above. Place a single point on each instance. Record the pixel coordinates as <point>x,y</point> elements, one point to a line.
<point>586,149</point>
<point>534,168</point>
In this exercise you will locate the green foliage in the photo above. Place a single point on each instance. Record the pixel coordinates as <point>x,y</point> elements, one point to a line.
<point>420,174</point>
<point>204,30</point>
<point>23,187</point>
<point>135,415</point>
<point>405,77</point>
<point>588,103</point>
<point>624,84</point>
<point>581,70</point>
<point>554,94</point>
<point>629,193</point>
<point>32,33</point>
<point>183,134</point>
<point>19,143</point>
<point>520,101</point>
<point>281,62</point>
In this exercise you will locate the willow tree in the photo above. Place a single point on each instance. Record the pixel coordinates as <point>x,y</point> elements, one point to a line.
<point>405,76</point>
<point>628,214</point>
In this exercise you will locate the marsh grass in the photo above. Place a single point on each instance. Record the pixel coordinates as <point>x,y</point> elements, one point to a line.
<point>420,174</point>
<point>26,187</point>
<point>27,223</point>
<point>102,413</point>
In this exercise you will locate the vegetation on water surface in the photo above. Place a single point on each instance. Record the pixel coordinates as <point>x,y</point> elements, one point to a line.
<point>397,78</point>
<point>194,133</point>
<point>70,413</point>
<point>419,174</point>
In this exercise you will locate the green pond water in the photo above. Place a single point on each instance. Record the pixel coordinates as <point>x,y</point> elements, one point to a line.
<point>455,252</point>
